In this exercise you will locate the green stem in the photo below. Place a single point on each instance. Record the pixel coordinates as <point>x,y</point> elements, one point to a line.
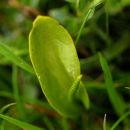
<point>17,98</point>
<point>120,120</point>
<point>87,16</point>
<point>107,22</point>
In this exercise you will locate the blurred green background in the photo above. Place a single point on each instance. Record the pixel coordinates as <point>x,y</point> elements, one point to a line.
<point>107,31</point>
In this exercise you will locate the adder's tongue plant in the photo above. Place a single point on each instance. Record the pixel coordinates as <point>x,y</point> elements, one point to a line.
<point>57,67</point>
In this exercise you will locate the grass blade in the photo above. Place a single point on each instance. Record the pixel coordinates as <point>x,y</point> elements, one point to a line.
<point>116,100</point>
<point>104,123</point>
<point>2,126</point>
<point>6,52</point>
<point>65,125</point>
<point>48,123</point>
<point>20,124</point>
<point>6,106</point>
<point>19,103</point>
<point>6,94</point>
<point>107,21</point>
<point>120,120</point>
<point>87,17</point>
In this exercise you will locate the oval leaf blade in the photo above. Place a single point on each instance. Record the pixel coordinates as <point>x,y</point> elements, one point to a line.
<point>55,62</point>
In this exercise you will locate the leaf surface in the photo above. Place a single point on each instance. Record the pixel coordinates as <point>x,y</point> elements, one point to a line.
<point>116,100</point>
<point>20,124</point>
<point>55,62</point>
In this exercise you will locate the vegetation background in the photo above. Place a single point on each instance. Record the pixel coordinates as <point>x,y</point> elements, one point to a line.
<point>107,31</point>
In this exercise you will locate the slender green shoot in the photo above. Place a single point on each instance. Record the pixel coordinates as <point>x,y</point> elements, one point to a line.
<point>86,18</point>
<point>2,125</point>
<point>17,98</point>
<point>77,6</point>
<point>6,94</point>
<point>74,88</point>
<point>65,124</point>
<point>116,100</point>
<point>104,123</point>
<point>107,22</point>
<point>6,107</point>
<point>48,123</point>
<point>7,53</point>
<point>19,123</point>
<point>120,120</point>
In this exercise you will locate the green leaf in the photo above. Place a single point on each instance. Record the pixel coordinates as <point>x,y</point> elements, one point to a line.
<point>118,103</point>
<point>20,124</point>
<point>55,62</point>
<point>6,52</point>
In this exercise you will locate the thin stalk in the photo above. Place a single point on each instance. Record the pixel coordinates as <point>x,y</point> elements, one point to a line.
<point>120,120</point>
<point>107,22</point>
<point>65,124</point>
<point>6,107</point>
<point>48,123</point>
<point>2,125</point>
<point>104,123</point>
<point>77,6</point>
<point>19,104</point>
<point>87,16</point>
